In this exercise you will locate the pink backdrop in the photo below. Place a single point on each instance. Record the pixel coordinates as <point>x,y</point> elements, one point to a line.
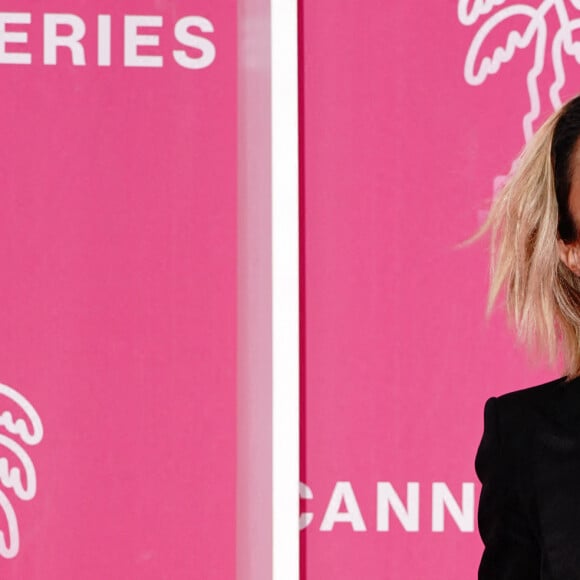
<point>118,293</point>
<point>399,159</point>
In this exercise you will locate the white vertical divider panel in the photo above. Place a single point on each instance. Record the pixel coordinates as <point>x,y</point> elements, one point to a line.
<point>254,348</point>
<point>285,290</point>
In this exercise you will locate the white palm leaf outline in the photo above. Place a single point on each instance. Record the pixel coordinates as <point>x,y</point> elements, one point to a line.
<point>468,15</point>
<point>488,65</point>
<point>17,472</point>
<point>470,11</point>
<point>563,43</point>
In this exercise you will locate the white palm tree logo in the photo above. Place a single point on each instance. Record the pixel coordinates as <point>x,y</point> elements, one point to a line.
<point>25,429</point>
<point>478,65</point>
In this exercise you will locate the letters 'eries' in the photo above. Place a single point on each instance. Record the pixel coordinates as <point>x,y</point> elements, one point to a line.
<point>66,33</point>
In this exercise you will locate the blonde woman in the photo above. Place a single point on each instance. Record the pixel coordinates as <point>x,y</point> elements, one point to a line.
<point>528,460</point>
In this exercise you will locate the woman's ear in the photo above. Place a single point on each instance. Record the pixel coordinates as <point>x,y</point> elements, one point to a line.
<point>570,255</point>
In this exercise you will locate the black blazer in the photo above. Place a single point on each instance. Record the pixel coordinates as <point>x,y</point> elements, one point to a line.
<point>528,462</point>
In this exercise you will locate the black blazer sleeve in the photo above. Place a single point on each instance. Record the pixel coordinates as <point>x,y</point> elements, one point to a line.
<point>510,550</point>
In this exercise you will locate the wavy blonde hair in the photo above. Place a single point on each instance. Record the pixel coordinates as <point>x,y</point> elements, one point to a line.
<point>526,220</point>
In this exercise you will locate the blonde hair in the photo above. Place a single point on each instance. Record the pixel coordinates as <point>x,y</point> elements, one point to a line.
<point>526,222</point>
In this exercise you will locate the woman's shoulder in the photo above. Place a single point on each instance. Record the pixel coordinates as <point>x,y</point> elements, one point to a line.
<point>556,400</point>
<point>513,420</point>
<point>536,393</point>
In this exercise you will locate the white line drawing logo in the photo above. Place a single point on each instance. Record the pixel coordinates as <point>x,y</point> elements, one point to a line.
<point>25,429</point>
<point>478,65</point>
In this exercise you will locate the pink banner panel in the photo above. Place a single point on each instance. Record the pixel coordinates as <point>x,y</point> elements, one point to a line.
<point>411,116</point>
<point>118,259</point>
